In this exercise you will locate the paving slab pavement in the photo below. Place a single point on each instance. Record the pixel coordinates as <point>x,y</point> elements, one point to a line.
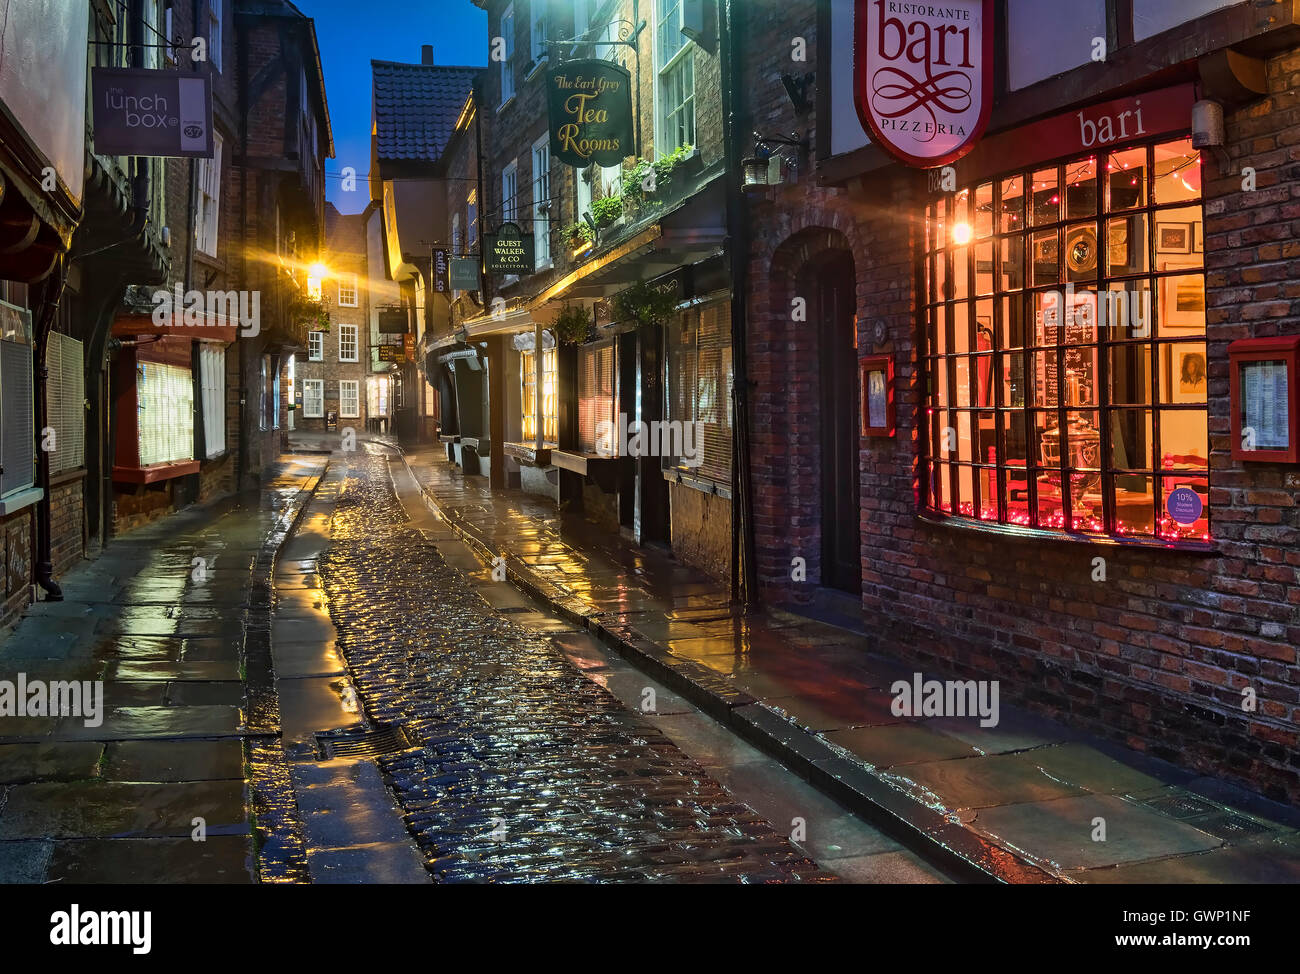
<point>159,617</point>
<point>1027,800</point>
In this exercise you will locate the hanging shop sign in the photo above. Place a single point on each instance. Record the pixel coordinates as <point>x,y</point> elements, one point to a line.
<point>923,76</point>
<point>390,353</point>
<point>142,112</point>
<point>396,321</point>
<point>441,270</point>
<point>464,273</point>
<point>589,105</point>
<point>510,251</point>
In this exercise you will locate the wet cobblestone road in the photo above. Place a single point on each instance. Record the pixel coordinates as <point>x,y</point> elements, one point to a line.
<point>523,769</point>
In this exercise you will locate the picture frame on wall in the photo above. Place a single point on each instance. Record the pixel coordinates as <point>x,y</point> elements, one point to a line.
<point>1182,298</point>
<point>877,395</point>
<point>1175,238</point>
<point>1186,374</point>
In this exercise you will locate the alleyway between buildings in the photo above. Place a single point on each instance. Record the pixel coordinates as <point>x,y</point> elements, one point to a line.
<point>380,671</point>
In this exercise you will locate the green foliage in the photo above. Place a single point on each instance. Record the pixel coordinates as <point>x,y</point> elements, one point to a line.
<point>576,233</point>
<point>572,324</point>
<point>636,184</point>
<point>606,210</point>
<point>645,305</point>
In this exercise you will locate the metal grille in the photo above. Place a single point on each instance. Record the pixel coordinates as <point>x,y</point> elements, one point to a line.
<point>361,742</point>
<point>1179,806</point>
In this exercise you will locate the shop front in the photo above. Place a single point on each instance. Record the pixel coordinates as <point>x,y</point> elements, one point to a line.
<point>1056,485</point>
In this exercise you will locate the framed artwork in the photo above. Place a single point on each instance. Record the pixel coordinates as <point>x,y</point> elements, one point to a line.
<point>1185,373</point>
<point>1175,238</point>
<point>878,395</point>
<point>1182,299</point>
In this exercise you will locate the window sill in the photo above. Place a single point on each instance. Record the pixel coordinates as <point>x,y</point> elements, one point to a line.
<point>67,476</point>
<point>1017,533</point>
<point>500,108</point>
<point>680,476</point>
<point>155,473</point>
<point>19,500</point>
<point>535,67</point>
<point>528,453</point>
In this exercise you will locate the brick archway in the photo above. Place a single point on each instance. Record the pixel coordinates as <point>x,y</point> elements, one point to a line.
<point>785,442</point>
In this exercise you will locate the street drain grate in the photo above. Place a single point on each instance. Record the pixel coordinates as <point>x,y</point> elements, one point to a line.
<point>359,742</point>
<point>1228,826</point>
<point>1179,806</point>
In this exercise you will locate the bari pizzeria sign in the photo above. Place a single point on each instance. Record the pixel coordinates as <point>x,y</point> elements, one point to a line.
<point>589,104</point>
<point>923,76</point>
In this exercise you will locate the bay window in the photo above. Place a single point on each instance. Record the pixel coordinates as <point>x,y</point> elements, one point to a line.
<point>165,405</point>
<point>1064,322</point>
<point>699,389</point>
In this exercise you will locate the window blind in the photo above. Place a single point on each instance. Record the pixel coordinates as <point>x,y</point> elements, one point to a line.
<point>165,407</point>
<point>699,386</point>
<point>17,439</point>
<point>66,402</point>
<point>212,363</point>
<point>597,399</point>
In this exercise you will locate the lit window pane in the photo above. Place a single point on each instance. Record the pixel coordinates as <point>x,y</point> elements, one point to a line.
<point>1177,172</point>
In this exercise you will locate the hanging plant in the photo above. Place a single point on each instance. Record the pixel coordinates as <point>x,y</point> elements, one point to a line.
<point>646,305</point>
<point>313,314</point>
<point>572,325</point>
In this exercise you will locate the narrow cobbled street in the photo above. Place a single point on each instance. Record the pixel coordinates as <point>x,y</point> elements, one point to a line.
<point>521,767</point>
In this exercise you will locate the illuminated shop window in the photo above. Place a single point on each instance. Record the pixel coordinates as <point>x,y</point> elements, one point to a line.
<point>1064,317</point>
<point>550,403</point>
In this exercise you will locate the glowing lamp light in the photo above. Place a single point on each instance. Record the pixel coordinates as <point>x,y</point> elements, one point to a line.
<point>961,234</point>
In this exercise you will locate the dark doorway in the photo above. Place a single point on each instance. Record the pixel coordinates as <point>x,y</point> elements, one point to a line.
<point>831,312</point>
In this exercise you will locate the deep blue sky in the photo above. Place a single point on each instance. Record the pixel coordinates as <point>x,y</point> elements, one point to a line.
<point>351,33</point>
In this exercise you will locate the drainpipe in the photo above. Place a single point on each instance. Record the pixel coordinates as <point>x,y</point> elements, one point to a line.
<point>241,460</point>
<point>744,577</point>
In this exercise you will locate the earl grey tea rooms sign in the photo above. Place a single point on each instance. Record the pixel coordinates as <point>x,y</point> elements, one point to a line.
<point>141,112</point>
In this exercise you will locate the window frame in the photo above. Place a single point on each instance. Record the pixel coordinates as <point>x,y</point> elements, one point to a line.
<point>207,218</point>
<point>315,346</point>
<point>356,398</point>
<point>541,155</point>
<point>354,290</point>
<point>212,389</point>
<point>941,471</point>
<point>507,29</point>
<point>669,70</point>
<point>355,342</point>
<point>510,192</point>
<point>307,386</point>
<point>214,34</point>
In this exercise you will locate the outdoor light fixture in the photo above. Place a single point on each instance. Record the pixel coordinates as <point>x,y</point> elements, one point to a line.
<point>755,171</point>
<point>762,168</point>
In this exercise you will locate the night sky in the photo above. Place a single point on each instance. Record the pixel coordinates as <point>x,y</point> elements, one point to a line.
<point>351,33</point>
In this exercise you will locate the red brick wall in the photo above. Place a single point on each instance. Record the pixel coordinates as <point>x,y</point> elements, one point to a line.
<point>67,522</point>
<point>1155,657</point>
<point>16,558</point>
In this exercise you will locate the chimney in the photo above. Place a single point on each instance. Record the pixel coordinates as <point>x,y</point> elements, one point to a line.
<point>426,54</point>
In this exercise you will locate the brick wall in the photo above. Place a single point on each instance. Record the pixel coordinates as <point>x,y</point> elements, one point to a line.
<point>15,580</point>
<point>67,523</point>
<point>1155,657</point>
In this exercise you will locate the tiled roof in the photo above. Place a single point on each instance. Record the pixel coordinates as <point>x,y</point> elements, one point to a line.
<point>416,107</point>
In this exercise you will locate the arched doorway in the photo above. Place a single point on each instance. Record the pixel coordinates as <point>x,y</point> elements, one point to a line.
<point>829,282</point>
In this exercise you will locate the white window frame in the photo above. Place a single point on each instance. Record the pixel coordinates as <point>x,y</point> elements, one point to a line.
<point>207,207</point>
<point>313,398</point>
<point>542,202</point>
<point>212,387</point>
<point>670,63</point>
<point>508,61</point>
<point>537,28</point>
<point>214,34</point>
<point>348,295</point>
<point>510,192</point>
<point>353,386</point>
<point>457,244</point>
<point>351,334</point>
<point>315,346</point>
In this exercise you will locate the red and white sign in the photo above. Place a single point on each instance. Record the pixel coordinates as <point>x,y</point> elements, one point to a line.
<point>923,76</point>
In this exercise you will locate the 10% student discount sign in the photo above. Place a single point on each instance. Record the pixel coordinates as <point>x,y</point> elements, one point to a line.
<point>589,106</point>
